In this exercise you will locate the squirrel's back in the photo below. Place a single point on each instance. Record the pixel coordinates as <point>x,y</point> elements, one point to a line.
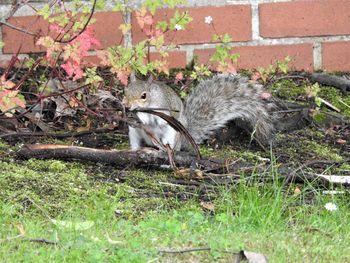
<point>215,102</point>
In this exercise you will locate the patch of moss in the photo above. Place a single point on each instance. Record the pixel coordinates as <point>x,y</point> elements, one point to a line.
<point>344,168</point>
<point>227,152</point>
<point>51,184</point>
<point>287,89</point>
<point>145,180</point>
<point>122,145</point>
<point>336,98</point>
<point>304,145</point>
<point>323,151</point>
<point>3,146</point>
<point>47,165</point>
<point>320,117</point>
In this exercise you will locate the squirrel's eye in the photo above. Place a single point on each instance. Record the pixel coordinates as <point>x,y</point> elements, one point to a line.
<point>143,96</point>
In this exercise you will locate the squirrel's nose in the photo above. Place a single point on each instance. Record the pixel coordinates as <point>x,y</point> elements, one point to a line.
<point>126,103</point>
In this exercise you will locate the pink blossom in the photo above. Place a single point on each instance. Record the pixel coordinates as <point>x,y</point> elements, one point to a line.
<point>179,76</point>
<point>255,76</point>
<point>56,28</point>
<point>123,77</point>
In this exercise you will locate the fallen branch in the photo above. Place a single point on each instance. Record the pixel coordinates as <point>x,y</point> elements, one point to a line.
<point>293,175</point>
<point>205,175</point>
<point>331,80</point>
<point>122,159</point>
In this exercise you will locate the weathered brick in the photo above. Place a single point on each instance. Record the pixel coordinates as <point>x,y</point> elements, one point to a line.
<point>91,61</point>
<point>232,19</point>
<point>106,29</point>
<point>176,59</point>
<point>305,18</point>
<point>336,56</point>
<point>15,40</point>
<point>4,62</point>
<point>262,56</point>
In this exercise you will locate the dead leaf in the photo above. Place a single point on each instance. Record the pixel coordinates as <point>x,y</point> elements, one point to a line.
<point>208,206</point>
<point>297,191</point>
<point>251,257</point>
<point>341,141</point>
<point>21,229</point>
<point>111,241</point>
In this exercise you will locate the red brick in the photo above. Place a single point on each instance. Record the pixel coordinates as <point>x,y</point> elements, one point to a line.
<point>176,59</point>
<point>336,56</point>
<point>305,18</point>
<point>262,56</point>
<point>233,19</point>
<point>15,40</point>
<point>106,28</point>
<point>91,61</point>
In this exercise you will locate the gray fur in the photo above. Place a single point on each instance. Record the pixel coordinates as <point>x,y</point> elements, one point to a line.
<point>211,105</point>
<point>223,98</point>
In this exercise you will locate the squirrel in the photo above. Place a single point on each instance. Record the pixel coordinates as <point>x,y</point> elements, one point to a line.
<point>210,106</point>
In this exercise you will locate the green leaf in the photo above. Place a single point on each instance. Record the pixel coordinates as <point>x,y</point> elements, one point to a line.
<point>163,25</point>
<point>183,94</point>
<point>235,57</point>
<point>181,19</point>
<point>29,62</point>
<point>44,12</point>
<point>118,6</point>
<point>152,5</point>
<point>226,38</point>
<point>220,54</point>
<point>100,5</point>
<point>173,3</point>
<point>318,101</point>
<point>215,37</point>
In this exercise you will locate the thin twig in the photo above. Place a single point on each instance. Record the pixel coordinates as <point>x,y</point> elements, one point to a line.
<point>15,7</point>
<point>57,135</point>
<point>85,26</point>
<point>41,240</point>
<point>11,238</point>
<point>185,250</point>
<point>2,22</point>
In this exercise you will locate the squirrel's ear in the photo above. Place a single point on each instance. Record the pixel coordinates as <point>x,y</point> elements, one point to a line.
<point>132,77</point>
<point>150,79</point>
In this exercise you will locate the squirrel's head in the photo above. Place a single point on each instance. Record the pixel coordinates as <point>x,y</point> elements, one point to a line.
<point>139,94</point>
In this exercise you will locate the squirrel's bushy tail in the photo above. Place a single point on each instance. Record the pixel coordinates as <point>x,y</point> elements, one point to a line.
<point>215,102</point>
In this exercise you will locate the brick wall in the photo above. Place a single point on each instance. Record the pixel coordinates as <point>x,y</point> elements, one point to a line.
<point>316,33</point>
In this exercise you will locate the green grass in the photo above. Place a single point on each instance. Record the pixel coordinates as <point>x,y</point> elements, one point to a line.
<point>95,218</point>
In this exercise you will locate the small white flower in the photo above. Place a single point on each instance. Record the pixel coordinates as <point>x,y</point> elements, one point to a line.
<point>208,19</point>
<point>178,27</point>
<point>331,207</point>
